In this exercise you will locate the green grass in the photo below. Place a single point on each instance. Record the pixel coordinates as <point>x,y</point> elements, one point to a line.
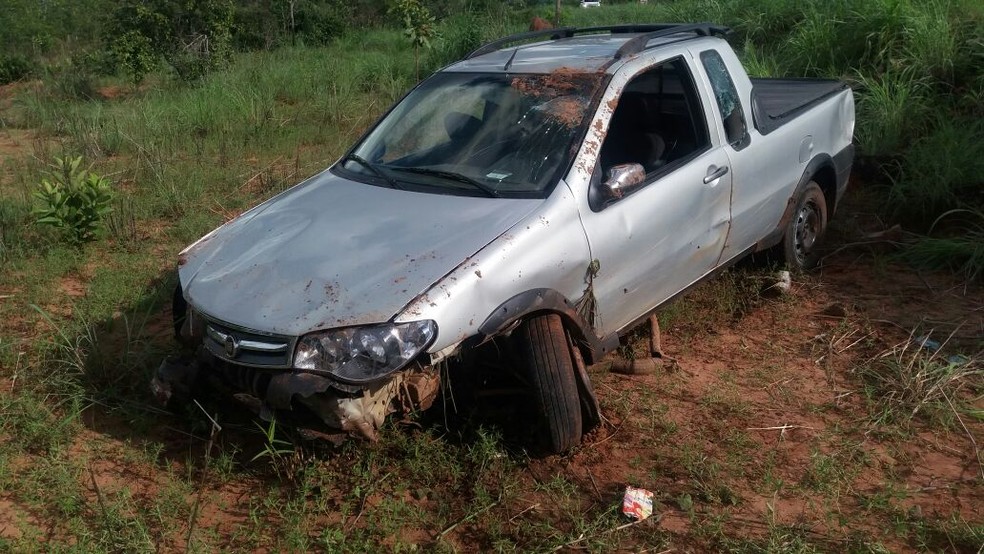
<point>893,109</point>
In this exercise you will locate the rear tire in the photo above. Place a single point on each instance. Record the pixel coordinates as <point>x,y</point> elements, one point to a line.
<point>805,229</point>
<point>547,356</point>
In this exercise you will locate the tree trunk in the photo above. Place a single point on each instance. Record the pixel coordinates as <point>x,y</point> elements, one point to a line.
<point>557,14</point>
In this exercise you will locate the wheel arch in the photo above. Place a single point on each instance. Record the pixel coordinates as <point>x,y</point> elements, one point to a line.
<point>538,301</point>
<point>820,169</point>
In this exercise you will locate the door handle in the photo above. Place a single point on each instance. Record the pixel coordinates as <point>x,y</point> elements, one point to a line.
<point>716,174</point>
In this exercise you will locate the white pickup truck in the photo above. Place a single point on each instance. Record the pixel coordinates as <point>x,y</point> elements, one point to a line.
<point>543,196</point>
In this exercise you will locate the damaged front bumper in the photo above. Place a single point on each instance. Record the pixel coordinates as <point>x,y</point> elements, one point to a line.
<point>258,370</point>
<point>357,410</point>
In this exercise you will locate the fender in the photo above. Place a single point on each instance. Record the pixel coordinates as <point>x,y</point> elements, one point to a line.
<point>548,300</point>
<point>821,164</point>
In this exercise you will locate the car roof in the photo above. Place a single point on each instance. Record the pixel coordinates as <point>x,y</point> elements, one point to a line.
<point>589,50</point>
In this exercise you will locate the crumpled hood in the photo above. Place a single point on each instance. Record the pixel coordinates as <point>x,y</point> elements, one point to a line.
<point>332,253</point>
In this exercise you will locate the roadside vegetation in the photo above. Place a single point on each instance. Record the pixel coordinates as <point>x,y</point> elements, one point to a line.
<point>153,122</point>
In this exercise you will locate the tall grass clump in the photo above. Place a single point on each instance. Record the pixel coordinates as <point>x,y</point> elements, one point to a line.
<point>15,218</point>
<point>813,49</point>
<point>909,380</point>
<point>766,21</point>
<point>891,111</point>
<point>931,42</point>
<point>457,36</point>
<point>960,250</point>
<point>942,170</point>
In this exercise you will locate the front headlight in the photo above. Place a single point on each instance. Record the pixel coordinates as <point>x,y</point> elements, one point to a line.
<point>360,355</point>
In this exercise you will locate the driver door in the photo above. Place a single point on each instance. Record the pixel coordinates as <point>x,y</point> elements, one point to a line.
<point>670,230</point>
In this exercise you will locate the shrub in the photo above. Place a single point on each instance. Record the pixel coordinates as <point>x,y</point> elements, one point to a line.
<point>193,36</point>
<point>134,54</point>
<point>73,200</point>
<point>14,68</point>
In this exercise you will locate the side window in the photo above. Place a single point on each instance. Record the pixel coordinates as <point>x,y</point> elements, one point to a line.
<point>726,96</point>
<point>658,120</point>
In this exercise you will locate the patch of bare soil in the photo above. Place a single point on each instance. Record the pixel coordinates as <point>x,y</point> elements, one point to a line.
<point>15,142</point>
<point>11,90</point>
<point>14,519</point>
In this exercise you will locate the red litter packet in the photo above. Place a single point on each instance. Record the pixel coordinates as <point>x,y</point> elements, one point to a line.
<point>637,503</point>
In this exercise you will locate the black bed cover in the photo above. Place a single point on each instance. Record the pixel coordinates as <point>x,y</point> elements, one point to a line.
<point>777,101</point>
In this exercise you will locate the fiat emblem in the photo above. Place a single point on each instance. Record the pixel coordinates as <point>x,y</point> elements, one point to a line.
<point>231,346</point>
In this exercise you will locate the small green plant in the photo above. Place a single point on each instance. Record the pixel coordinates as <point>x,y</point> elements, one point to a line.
<point>74,200</point>
<point>273,447</point>
<point>285,460</point>
<point>419,26</point>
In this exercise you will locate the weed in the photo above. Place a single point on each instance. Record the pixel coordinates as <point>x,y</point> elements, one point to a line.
<point>121,223</point>
<point>36,424</point>
<point>68,351</point>
<point>282,456</point>
<point>906,380</point>
<point>13,219</point>
<point>708,480</point>
<point>74,200</point>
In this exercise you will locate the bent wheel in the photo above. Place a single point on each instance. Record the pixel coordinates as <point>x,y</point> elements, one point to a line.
<point>805,229</point>
<point>550,369</point>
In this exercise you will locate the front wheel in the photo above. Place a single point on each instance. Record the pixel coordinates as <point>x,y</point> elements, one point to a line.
<point>805,229</point>
<point>550,368</point>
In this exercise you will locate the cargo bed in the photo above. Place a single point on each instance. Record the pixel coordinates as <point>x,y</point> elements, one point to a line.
<point>777,101</point>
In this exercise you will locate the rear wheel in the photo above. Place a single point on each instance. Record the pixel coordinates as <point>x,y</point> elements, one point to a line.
<point>550,368</point>
<point>805,229</point>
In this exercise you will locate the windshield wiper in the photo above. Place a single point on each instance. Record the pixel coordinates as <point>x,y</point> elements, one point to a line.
<point>450,175</point>
<point>375,170</point>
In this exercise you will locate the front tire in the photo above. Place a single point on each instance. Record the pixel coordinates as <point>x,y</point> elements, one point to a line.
<point>550,368</point>
<point>805,229</point>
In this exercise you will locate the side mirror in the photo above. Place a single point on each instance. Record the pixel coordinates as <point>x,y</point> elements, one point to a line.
<point>622,180</point>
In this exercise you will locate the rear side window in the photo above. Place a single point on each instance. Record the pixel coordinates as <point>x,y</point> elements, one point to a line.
<point>726,96</point>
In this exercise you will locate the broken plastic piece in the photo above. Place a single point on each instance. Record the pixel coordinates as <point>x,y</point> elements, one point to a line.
<point>637,503</point>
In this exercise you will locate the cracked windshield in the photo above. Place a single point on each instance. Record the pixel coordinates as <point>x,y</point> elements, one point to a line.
<point>479,134</point>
